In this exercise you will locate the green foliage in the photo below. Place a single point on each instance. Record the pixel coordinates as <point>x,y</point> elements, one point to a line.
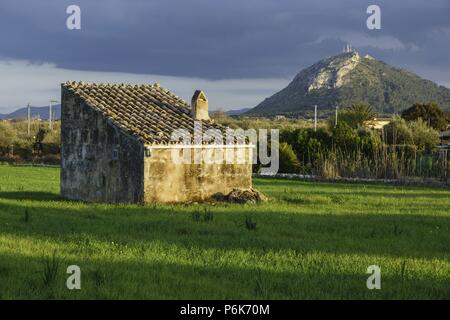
<point>369,141</point>
<point>425,138</point>
<point>356,115</point>
<point>250,224</point>
<point>27,216</point>
<point>53,137</point>
<point>416,133</point>
<point>50,272</point>
<point>307,143</point>
<point>313,240</point>
<point>345,137</point>
<point>205,216</point>
<point>431,113</point>
<point>7,137</point>
<point>40,135</point>
<point>42,146</point>
<point>396,152</point>
<point>398,131</point>
<point>288,159</point>
<point>23,148</point>
<point>263,123</point>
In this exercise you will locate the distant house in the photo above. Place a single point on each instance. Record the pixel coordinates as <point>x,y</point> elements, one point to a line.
<point>116,146</point>
<point>378,123</point>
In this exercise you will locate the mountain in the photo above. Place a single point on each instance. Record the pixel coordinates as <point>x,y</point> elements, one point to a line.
<point>347,78</point>
<point>36,112</point>
<point>237,112</point>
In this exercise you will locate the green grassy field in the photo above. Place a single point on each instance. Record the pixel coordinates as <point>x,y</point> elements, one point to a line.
<point>312,240</point>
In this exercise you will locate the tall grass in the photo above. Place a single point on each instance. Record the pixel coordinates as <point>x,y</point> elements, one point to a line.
<point>379,157</point>
<point>385,162</point>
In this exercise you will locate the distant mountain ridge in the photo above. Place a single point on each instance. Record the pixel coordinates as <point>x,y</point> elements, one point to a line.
<point>348,78</point>
<point>36,112</point>
<point>236,112</point>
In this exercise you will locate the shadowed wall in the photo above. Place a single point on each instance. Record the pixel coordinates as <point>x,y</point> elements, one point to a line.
<point>99,162</point>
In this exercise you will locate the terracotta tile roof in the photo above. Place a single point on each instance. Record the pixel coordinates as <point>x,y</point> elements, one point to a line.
<point>147,111</point>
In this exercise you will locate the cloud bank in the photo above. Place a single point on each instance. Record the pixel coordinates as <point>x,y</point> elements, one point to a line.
<point>37,84</point>
<point>214,43</point>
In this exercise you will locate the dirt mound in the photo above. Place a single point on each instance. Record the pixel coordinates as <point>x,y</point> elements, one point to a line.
<point>241,196</point>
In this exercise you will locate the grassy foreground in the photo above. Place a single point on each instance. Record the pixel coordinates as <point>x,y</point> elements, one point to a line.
<point>312,240</point>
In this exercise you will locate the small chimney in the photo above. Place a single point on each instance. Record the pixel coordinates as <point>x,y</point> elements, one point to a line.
<point>199,106</point>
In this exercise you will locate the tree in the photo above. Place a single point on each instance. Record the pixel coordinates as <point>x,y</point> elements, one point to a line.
<point>307,143</point>
<point>7,137</point>
<point>418,133</point>
<point>40,136</point>
<point>356,115</point>
<point>398,132</point>
<point>431,113</point>
<point>345,137</point>
<point>424,137</point>
<point>369,139</point>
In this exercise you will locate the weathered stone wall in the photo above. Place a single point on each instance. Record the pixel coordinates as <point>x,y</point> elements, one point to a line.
<point>99,162</point>
<point>167,181</point>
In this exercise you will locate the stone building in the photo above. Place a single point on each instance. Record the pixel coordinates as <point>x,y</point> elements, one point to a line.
<point>117,146</point>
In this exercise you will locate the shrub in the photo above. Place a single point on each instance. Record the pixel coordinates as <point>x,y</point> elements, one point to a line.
<point>431,113</point>
<point>51,148</point>
<point>52,159</point>
<point>416,133</point>
<point>369,139</point>
<point>398,132</point>
<point>288,159</point>
<point>308,144</point>
<point>24,149</point>
<point>52,137</point>
<point>7,137</point>
<point>425,138</point>
<point>345,137</point>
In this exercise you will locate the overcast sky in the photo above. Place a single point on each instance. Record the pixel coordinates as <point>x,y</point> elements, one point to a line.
<point>239,51</point>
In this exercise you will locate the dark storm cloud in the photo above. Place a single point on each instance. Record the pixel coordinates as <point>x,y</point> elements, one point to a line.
<point>222,39</point>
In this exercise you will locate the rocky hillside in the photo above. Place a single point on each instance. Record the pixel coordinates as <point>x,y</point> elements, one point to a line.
<point>349,77</point>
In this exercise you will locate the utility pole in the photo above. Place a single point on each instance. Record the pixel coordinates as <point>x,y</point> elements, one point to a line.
<point>29,118</point>
<point>336,121</point>
<point>315,118</point>
<point>50,114</point>
<point>446,166</point>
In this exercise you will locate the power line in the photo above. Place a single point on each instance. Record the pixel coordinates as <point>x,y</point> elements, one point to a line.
<point>50,114</point>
